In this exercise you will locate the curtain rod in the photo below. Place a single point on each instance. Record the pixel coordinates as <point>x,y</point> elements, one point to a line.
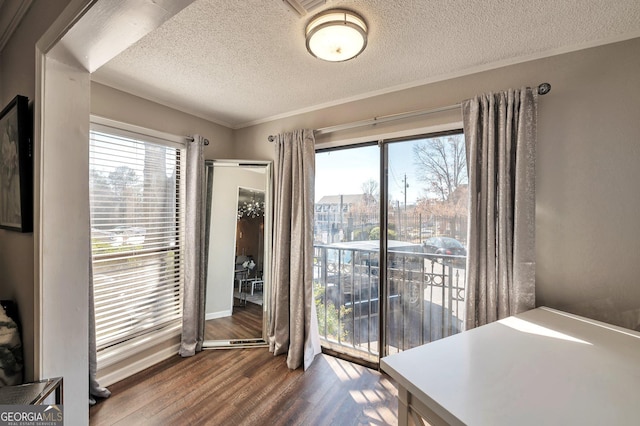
<point>191,139</point>
<point>543,89</point>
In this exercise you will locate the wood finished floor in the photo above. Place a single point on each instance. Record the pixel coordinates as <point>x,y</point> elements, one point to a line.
<point>249,387</point>
<point>245,323</point>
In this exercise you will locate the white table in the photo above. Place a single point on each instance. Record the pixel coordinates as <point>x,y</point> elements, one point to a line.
<point>542,367</point>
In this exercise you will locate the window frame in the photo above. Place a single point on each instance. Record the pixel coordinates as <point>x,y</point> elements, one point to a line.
<point>135,344</point>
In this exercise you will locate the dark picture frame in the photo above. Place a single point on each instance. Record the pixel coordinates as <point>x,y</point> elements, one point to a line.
<point>16,167</point>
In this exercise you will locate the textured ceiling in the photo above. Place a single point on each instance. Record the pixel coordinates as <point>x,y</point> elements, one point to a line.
<point>242,62</point>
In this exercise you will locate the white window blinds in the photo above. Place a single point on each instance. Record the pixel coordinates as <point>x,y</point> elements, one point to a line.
<point>137,229</point>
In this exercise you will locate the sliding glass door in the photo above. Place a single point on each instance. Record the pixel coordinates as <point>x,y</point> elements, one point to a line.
<point>390,231</point>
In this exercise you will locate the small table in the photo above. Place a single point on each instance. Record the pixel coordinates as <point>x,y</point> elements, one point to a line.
<point>33,393</point>
<point>542,367</point>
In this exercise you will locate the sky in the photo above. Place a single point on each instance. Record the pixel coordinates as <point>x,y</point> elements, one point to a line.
<point>344,171</point>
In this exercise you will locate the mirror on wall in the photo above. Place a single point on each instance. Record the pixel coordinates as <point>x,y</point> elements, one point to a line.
<point>238,253</point>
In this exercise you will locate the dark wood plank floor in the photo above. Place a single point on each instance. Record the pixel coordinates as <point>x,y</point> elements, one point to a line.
<point>245,323</point>
<point>249,387</point>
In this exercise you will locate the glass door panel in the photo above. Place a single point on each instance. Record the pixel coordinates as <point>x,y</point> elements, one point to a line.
<point>426,191</point>
<point>346,244</point>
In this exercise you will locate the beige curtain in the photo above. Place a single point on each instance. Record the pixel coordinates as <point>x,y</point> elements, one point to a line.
<point>293,324</point>
<point>194,253</point>
<point>95,390</point>
<point>500,136</point>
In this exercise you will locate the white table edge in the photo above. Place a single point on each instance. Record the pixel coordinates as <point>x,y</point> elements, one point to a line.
<point>428,407</point>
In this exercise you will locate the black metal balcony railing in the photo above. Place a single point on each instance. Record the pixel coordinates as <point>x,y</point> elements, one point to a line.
<point>425,298</point>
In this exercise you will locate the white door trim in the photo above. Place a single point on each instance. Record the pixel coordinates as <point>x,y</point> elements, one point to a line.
<point>65,56</point>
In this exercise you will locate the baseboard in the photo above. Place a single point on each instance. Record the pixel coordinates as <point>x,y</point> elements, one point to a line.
<point>137,366</point>
<point>216,315</point>
<point>132,348</point>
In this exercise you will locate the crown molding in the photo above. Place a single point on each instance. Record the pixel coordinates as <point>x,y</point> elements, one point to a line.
<point>11,13</point>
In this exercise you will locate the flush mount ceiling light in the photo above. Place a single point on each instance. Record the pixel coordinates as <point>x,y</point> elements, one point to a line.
<point>336,35</point>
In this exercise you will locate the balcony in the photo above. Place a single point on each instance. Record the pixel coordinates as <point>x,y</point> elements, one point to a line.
<point>425,297</point>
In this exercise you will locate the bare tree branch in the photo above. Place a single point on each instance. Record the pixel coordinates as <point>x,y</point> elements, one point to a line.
<point>370,191</point>
<point>441,165</point>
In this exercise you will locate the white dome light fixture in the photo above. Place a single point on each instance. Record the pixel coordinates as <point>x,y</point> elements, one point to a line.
<point>336,35</point>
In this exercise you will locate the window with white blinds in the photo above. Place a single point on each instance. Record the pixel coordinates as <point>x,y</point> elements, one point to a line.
<point>137,228</point>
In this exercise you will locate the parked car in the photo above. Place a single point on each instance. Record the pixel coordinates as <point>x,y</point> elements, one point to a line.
<point>366,252</point>
<point>129,235</point>
<point>103,238</point>
<point>445,246</point>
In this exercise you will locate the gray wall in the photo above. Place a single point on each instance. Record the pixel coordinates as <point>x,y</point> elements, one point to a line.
<point>587,231</point>
<point>588,237</point>
<point>117,105</point>
<point>17,77</point>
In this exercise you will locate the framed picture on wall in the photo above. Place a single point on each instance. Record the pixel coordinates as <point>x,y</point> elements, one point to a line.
<point>16,167</point>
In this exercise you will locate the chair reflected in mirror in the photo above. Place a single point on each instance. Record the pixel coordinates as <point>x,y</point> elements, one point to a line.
<point>247,280</point>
